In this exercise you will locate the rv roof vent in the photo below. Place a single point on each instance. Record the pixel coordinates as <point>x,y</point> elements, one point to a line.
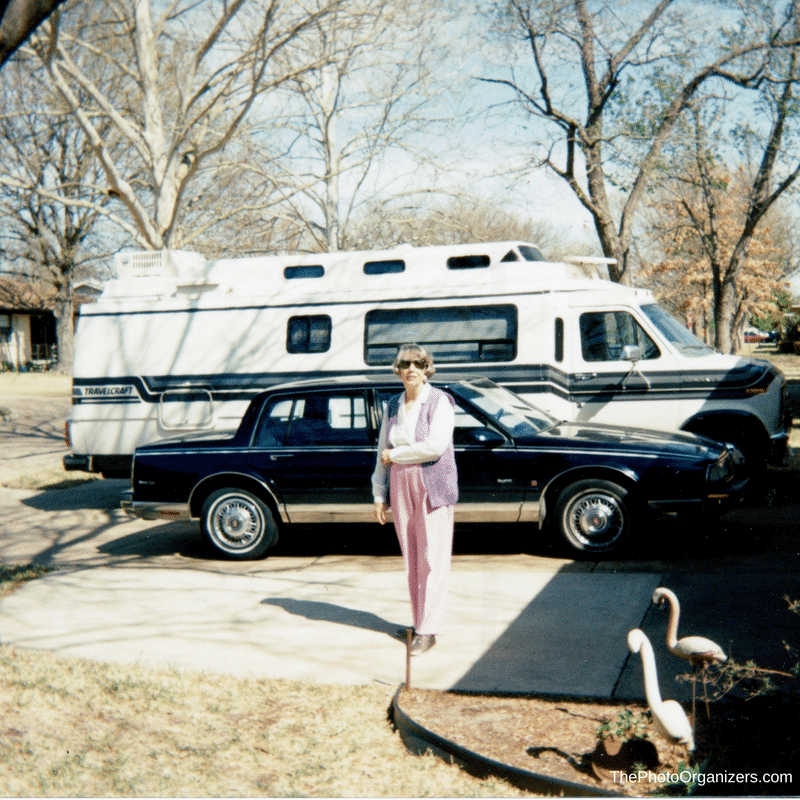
<point>146,264</point>
<point>159,264</point>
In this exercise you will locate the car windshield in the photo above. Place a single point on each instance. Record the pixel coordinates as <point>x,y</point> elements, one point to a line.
<point>676,334</point>
<point>508,409</point>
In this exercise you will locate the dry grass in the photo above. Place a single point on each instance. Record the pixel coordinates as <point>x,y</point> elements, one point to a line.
<point>34,384</point>
<point>80,729</point>
<point>11,576</point>
<point>49,479</point>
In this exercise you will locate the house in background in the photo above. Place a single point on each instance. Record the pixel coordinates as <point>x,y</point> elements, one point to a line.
<point>27,338</point>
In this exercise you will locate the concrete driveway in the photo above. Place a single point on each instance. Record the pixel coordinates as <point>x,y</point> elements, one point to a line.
<point>325,606</point>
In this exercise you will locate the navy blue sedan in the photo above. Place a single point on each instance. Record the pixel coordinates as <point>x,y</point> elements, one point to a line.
<point>304,452</point>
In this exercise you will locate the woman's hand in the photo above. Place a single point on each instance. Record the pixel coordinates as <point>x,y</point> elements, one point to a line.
<point>379,512</point>
<point>386,457</point>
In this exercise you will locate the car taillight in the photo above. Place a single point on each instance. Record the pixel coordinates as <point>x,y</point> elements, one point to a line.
<point>67,437</point>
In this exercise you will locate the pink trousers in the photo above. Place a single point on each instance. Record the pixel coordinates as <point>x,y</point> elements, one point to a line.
<point>426,541</point>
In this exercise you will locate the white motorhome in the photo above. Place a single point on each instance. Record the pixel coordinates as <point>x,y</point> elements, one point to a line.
<point>177,344</point>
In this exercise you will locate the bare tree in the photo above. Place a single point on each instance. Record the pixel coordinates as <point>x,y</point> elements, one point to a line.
<point>359,122</point>
<point>611,80</point>
<point>456,221</point>
<point>175,87</point>
<point>47,205</point>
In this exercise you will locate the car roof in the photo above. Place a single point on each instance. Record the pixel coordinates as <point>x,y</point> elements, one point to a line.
<point>368,380</point>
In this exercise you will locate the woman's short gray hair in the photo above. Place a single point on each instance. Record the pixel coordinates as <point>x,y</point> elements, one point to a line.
<point>414,352</point>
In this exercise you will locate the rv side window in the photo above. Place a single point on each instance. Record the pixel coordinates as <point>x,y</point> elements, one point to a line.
<point>384,267</point>
<point>311,334</point>
<point>456,334</point>
<point>468,262</point>
<point>559,354</point>
<point>310,271</point>
<point>604,334</point>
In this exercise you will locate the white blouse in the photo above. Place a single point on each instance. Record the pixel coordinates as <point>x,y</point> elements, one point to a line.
<point>404,450</point>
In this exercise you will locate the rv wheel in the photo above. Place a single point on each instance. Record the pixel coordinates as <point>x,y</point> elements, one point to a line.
<point>593,516</point>
<point>238,524</point>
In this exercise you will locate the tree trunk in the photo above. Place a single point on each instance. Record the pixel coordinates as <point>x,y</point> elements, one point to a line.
<point>18,19</point>
<point>65,329</point>
<point>724,317</point>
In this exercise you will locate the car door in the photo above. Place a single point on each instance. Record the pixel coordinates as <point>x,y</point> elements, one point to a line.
<point>490,487</point>
<point>317,449</point>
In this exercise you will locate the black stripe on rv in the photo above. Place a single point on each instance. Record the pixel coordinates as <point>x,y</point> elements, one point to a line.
<point>538,379</point>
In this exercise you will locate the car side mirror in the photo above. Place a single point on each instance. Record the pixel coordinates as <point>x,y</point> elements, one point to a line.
<point>632,352</point>
<point>484,436</point>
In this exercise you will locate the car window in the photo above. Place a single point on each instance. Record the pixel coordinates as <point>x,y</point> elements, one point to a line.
<point>604,334</point>
<point>314,420</point>
<point>465,422</point>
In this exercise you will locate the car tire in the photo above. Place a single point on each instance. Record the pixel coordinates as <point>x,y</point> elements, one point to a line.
<point>594,517</point>
<point>238,524</point>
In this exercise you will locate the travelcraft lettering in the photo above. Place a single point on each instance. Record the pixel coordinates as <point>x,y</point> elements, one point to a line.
<point>108,391</point>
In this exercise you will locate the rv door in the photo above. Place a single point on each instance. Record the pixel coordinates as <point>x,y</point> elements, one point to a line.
<point>621,371</point>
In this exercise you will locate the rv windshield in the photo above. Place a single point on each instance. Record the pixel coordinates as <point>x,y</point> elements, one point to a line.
<point>675,333</point>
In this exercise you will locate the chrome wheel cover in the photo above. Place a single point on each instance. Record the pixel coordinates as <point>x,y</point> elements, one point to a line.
<point>236,522</point>
<point>595,520</point>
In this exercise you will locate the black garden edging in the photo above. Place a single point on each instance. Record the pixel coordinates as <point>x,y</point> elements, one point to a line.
<point>418,740</point>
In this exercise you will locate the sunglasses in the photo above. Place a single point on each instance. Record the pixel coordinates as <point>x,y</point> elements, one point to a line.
<point>421,364</point>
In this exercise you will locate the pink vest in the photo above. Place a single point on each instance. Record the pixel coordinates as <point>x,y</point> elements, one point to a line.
<point>440,477</point>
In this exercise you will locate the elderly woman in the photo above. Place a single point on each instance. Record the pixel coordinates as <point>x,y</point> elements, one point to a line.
<point>416,470</point>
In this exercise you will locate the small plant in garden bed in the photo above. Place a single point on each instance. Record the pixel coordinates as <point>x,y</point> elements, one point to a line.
<point>628,725</point>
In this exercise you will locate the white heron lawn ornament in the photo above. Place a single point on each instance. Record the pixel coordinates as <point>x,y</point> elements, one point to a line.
<point>669,718</point>
<point>697,650</point>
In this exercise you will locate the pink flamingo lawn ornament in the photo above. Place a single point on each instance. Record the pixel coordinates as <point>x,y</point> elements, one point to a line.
<point>697,650</point>
<point>669,718</point>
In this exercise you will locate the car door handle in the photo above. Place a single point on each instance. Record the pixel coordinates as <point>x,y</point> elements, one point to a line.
<point>505,480</point>
<point>281,455</point>
<point>585,376</point>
